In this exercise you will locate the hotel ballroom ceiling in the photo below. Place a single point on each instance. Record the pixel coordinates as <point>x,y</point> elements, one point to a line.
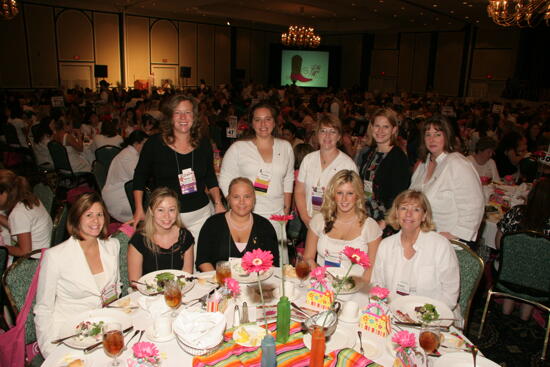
<point>340,16</point>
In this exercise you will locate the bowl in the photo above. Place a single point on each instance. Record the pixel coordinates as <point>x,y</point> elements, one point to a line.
<point>319,320</point>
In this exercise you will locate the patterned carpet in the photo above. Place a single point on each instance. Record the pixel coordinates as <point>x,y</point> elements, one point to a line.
<point>507,340</point>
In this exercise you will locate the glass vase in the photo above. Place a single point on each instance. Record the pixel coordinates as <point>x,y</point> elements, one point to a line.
<point>318,347</point>
<point>269,357</point>
<point>283,320</point>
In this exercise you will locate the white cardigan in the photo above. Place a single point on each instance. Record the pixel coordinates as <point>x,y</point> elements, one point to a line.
<point>66,286</point>
<point>455,195</point>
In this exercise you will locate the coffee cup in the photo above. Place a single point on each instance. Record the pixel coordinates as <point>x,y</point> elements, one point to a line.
<point>350,309</point>
<point>162,327</point>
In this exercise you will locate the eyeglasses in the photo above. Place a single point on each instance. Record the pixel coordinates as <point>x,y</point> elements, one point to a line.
<point>328,131</point>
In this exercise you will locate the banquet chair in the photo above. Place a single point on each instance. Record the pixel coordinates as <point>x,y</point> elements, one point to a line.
<point>63,167</point>
<point>3,264</point>
<point>16,282</point>
<point>471,272</point>
<point>123,261</point>
<point>59,229</point>
<point>45,194</point>
<point>105,155</point>
<point>100,174</point>
<point>523,274</point>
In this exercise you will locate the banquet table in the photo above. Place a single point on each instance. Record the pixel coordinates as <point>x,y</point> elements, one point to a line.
<point>173,355</point>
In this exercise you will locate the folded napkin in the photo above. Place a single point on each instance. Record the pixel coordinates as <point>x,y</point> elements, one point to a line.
<point>200,330</point>
<point>156,305</point>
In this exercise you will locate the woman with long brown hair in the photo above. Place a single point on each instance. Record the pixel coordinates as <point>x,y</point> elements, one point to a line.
<point>180,159</point>
<point>26,219</point>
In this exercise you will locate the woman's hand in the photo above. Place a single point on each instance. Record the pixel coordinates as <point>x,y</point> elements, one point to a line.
<point>219,208</point>
<point>139,215</point>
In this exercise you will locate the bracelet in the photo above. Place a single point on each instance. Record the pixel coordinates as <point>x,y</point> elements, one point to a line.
<point>217,203</point>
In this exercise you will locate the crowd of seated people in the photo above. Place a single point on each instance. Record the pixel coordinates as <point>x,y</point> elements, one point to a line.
<point>398,176</point>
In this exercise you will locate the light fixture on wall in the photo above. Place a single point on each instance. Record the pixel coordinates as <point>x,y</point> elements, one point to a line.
<point>8,9</point>
<point>300,36</point>
<point>520,13</point>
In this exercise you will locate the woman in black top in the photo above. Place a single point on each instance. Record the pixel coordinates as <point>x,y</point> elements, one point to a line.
<point>239,230</point>
<point>179,159</point>
<point>383,166</point>
<point>163,242</point>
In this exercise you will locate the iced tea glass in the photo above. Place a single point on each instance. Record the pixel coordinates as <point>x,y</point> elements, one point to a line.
<point>172,295</point>
<point>302,269</point>
<point>223,271</point>
<point>113,341</point>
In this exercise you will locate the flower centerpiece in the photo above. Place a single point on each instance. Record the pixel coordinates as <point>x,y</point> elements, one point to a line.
<point>379,294</point>
<point>257,261</point>
<point>405,355</point>
<point>375,317</point>
<point>231,287</point>
<point>145,355</point>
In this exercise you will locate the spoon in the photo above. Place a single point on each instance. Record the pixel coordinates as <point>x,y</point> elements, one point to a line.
<point>360,334</point>
<point>474,354</point>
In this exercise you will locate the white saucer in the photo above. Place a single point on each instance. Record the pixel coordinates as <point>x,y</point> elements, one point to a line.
<point>149,334</point>
<point>351,320</point>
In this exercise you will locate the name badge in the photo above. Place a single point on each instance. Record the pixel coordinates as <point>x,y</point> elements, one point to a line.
<point>231,132</point>
<point>403,288</point>
<point>261,183</point>
<point>367,187</point>
<point>108,294</point>
<point>333,260</point>
<point>317,198</point>
<point>188,182</point>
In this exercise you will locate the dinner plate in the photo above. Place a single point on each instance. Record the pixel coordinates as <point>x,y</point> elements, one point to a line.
<point>340,339</point>
<point>463,359</point>
<point>151,282</point>
<point>249,335</point>
<point>251,278</point>
<point>105,315</point>
<point>339,272</point>
<point>406,304</point>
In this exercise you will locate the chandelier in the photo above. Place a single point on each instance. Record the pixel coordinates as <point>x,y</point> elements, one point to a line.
<point>521,13</point>
<point>300,36</point>
<point>8,9</point>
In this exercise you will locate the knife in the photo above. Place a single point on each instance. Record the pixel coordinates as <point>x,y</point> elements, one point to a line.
<point>58,341</point>
<point>94,346</point>
<point>418,325</point>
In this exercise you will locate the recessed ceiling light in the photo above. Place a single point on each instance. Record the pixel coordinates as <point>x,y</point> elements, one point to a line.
<point>402,8</point>
<point>425,24</point>
<point>452,12</point>
<point>477,21</point>
<point>395,15</point>
<point>352,4</point>
<point>470,5</point>
<point>467,17</point>
<point>436,18</point>
<point>450,23</point>
<point>354,19</point>
<point>435,5</point>
<point>421,13</point>
<point>376,10</point>
<point>464,3</point>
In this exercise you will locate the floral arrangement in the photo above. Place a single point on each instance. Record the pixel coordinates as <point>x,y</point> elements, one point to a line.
<point>404,340</point>
<point>405,356</point>
<point>231,287</point>
<point>257,261</point>
<point>379,294</point>
<point>282,219</point>
<point>145,354</point>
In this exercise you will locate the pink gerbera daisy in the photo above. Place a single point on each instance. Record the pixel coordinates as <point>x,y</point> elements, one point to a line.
<point>357,256</point>
<point>233,286</point>
<point>404,339</point>
<point>379,292</point>
<point>257,260</point>
<point>281,218</point>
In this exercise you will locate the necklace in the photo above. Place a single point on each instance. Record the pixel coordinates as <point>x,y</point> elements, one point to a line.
<point>236,226</point>
<point>353,219</point>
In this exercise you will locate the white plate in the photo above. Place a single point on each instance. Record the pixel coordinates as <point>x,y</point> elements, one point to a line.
<point>104,314</point>
<point>462,359</point>
<point>406,304</point>
<point>150,334</point>
<point>252,336</point>
<point>340,339</point>
<point>372,350</point>
<point>252,278</point>
<point>150,280</point>
<point>339,272</point>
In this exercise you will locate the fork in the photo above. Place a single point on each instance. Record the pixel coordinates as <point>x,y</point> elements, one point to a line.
<point>360,334</point>
<point>474,354</point>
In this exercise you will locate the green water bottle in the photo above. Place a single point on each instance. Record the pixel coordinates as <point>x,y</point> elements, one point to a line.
<point>283,319</point>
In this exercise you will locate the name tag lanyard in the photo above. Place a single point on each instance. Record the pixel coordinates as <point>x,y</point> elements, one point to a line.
<point>187,180</point>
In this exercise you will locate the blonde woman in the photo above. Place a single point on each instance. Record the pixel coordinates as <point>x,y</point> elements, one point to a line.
<point>163,242</point>
<point>342,222</point>
<point>417,260</point>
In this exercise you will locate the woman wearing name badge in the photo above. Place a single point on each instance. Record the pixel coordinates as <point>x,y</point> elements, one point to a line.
<point>78,275</point>
<point>232,234</point>
<point>163,242</point>
<point>179,159</point>
<point>383,166</point>
<point>319,167</point>
<point>266,161</point>
<point>342,222</point>
<point>417,260</point>
<point>450,182</point>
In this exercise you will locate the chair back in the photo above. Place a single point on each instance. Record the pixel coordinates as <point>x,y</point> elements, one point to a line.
<point>524,265</point>
<point>123,261</point>
<point>60,157</point>
<point>129,189</point>
<point>10,133</point>
<point>45,194</point>
<point>3,263</point>
<point>471,270</point>
<point>59,229</point>
<point>105,155</point>
<point>16,282</point>
<point>100,174</point>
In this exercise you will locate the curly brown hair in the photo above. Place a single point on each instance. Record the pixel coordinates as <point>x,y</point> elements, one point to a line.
<point>167,124</point>
<point>17,189</point>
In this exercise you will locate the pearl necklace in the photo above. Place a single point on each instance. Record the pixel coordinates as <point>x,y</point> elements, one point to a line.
<point>347,221</point>
<point>236,226</point>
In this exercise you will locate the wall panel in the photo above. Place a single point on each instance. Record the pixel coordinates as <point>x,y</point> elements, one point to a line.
<point>496,62</point>
<point>164,43</point>
<point>351,60</point>
<point>107,45</point>
<point>420,62</point>
<point>386,41</point>
<point>41,45</point>
<point>13,58</point>
<point>450,46</point>
<point>137,43</point>
<point>406,62</point>
<point>243,51</point>
<point>205,52</point>
<point>258,57</point>
<point>188,50</point>
<point>75,37</point>
<point>222,59</point>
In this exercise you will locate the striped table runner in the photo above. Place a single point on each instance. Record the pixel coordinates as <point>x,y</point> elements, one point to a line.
<point>292,354</point>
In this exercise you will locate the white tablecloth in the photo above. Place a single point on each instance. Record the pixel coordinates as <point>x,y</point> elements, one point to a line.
<point>176,357</point>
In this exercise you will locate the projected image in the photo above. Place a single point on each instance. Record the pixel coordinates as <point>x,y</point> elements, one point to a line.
<point>305,68</point>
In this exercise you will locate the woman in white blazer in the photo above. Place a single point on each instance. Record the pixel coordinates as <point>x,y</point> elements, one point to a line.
<point>79,274</point>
